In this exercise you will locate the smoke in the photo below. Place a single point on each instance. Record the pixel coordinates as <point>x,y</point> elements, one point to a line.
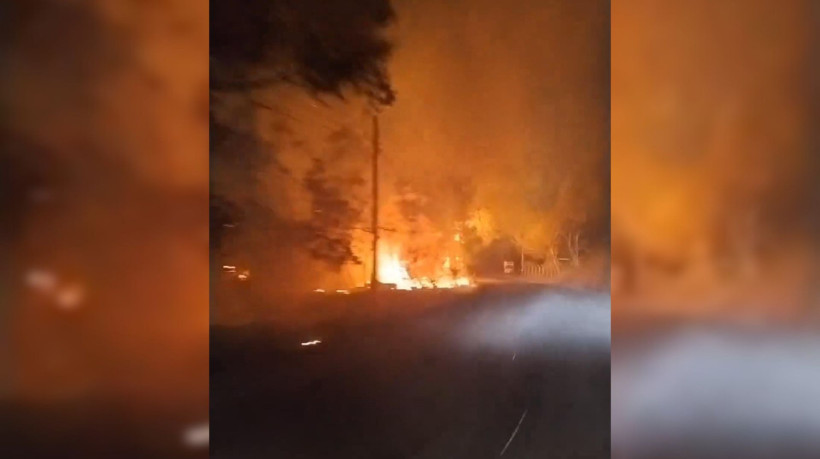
<point>714,168</point>
<point>707,393</point>
<point>509,101</point>
<point>501,109</point>
<point>714,208</point>
<point>558,323</point>
<point>284,181</point>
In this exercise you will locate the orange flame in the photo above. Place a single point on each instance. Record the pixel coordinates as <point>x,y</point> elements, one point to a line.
<point>393,270</point>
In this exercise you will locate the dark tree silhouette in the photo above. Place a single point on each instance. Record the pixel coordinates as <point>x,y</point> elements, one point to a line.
<point>321,45</point>
<point>329,231</point>
<point>326,47</point>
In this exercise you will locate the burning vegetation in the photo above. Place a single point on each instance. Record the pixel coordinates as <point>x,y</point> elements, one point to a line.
<point>492,159</point>
<point>393,270</point>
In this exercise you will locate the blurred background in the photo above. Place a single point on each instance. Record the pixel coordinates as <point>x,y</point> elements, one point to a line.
<point>104,234</point>
<point>714,224</point>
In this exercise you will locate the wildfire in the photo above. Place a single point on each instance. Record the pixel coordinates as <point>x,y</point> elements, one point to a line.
<point>396,272</point>
<point>393,270</point>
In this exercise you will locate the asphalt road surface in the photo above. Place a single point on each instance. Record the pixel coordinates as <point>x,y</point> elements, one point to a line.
<point>503,371</point>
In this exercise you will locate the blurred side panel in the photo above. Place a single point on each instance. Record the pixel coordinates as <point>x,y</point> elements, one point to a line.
<point>715,191</point>
<point>103,228</point>
<point>715,155</point>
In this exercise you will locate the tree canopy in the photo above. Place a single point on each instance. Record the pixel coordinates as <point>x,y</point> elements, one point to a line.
<point>324,46</point>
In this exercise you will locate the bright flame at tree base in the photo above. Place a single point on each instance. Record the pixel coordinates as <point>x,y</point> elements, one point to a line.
<point>393,271</point>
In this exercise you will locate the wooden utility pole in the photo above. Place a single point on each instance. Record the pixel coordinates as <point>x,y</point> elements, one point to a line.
<point>374,278</point>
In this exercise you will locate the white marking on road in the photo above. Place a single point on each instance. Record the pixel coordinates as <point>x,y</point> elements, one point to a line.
<point>513,355</point>
<point>514,433</point>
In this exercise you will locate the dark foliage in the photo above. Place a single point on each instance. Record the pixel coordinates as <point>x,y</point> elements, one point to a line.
<point>330,228</point>
<point>321,45</point>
